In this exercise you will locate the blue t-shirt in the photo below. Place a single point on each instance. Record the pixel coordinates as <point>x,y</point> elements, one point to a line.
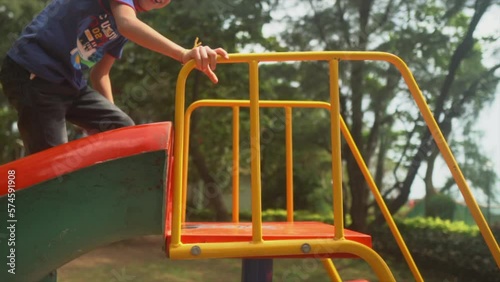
<point>67,37</point>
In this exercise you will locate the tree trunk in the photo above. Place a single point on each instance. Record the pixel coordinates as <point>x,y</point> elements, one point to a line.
<point>430,190</point>
<point>357,183</point>
<point>427,145</point>
<point>213,192</point>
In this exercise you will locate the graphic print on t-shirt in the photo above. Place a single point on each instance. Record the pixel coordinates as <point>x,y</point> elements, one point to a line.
<point>91,42</point>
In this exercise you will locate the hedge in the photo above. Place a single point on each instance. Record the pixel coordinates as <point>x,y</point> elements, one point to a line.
<point>447,247</point>
<point>436,245</point>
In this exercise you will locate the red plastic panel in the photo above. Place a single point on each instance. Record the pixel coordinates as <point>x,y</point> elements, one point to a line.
<point>81,153</point>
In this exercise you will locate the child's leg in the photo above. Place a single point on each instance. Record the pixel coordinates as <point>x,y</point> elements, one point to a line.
<point>95,113</point>
<point>41,107</point>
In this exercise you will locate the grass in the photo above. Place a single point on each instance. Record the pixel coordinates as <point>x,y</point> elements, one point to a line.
<point>143,260</point>
<point>217,270</point>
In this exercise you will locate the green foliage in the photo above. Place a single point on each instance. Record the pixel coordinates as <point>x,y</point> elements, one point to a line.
<point>375,104</point>
<point>440,225</point>
<point>442,245</point>
<point>300,215</point>
<point>13,16</point>
<point>269,215</point>
<point>476,166</point>
<point>441,206</point>
<point>437,245</point>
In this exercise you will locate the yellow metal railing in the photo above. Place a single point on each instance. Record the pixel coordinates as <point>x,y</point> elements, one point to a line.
<point>259,247</point>
<point>288,105</point>
<point>236,105</point>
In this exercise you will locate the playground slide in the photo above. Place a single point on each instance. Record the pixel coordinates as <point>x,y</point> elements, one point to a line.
<point>63,202</point>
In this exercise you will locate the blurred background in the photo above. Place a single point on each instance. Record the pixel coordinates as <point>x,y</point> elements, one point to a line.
<point>452,48</point>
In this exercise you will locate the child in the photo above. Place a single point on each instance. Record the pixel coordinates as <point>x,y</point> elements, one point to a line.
<point>42,74</point>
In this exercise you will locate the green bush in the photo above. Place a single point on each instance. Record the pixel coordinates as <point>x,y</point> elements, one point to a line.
<point>448,247</point>
<point>436,245</point>
<point>442,206</point>
<point>267,215</point>
<point>281,215</point>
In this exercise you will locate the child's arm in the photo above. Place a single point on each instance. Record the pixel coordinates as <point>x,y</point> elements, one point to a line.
<point>137,31</point>
<point>99,76</point>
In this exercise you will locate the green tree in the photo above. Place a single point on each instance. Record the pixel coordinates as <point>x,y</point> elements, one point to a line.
<point>382,119</point>
<point>146,82</point>
<point>14,15</point>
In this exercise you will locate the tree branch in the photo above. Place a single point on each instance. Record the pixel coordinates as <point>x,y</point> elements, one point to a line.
<point>344,25</point>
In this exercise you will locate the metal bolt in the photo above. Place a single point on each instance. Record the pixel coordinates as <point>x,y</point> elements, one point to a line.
<point>306,248</point>
<point>195,251</point>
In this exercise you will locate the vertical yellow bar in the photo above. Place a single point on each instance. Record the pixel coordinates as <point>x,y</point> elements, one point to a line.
<point>289,164</point>
<point>338,218</point>
<point>255,152</point>
<point>236,164</point>
<point>180,102</point>
<point>187,123</point>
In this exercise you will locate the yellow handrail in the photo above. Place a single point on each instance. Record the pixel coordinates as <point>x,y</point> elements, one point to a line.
<point>286,248</point>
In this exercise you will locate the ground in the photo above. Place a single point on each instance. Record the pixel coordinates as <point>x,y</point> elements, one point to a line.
<point>142,259</point>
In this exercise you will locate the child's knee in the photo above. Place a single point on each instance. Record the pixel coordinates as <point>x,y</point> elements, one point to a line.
<point>120,120</point>
<point>126,121</point>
